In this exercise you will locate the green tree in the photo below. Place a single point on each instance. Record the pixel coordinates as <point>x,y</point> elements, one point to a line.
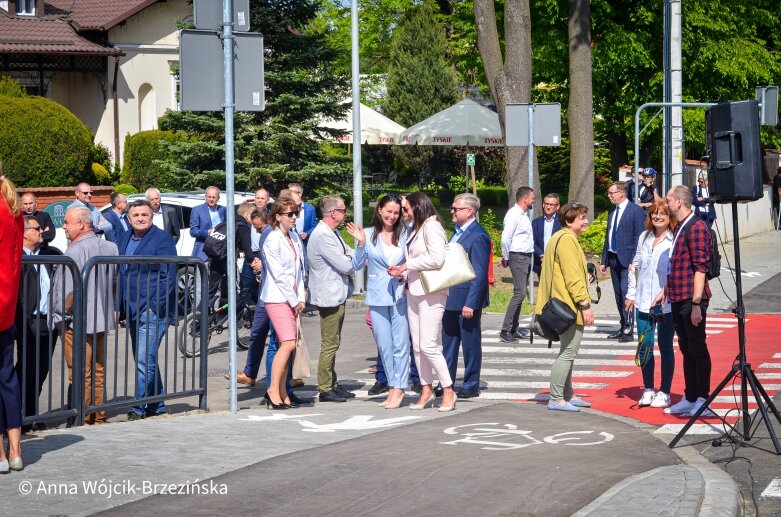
<point>279,144</point>
<point>421,82</point>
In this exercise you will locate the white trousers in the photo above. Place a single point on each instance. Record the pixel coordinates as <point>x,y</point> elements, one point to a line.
<point>425,322</point>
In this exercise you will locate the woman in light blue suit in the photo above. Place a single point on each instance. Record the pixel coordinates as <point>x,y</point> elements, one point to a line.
<point>385,296</point>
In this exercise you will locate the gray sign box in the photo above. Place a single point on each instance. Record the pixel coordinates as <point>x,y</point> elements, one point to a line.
<point>202,75</point>
<point>547,124</point>
<point>208,15</point>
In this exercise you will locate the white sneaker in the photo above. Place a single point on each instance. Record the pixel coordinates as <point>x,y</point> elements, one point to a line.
<point>696,407</point>
<point>661,399</point>
<point>648,396</point>
<point>683,406</point>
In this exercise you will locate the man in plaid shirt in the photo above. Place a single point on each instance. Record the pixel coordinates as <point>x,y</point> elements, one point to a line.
<point>688,292</point>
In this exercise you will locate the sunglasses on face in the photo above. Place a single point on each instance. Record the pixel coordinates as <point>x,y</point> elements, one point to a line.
<point>456,209</point>
<point>88,193</point>
<point>289,214</point>
<point>340,210</point>
<point>36,228</point>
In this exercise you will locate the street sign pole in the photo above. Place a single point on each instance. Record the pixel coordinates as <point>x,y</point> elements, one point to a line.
<point>530,111</point>
<point>357,176</point>
<point>227,32</point>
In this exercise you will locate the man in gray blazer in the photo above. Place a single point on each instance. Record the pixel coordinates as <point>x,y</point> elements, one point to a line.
<point>99,318</point>
<point>331,265</point>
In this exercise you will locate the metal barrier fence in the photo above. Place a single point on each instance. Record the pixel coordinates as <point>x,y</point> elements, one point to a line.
<point>115,360</point>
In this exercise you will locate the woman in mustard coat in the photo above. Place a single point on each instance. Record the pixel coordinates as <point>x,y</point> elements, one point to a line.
<point>564,276</point>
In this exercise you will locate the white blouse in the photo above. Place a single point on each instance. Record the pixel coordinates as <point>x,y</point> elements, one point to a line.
<point>648,271</point>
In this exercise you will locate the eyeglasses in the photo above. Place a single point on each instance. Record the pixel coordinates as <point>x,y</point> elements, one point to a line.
<point>87,193</point>
<point>612,193</point>
<point>340,210</point>
<point>36,228</point>
<point>289,214</point>
<point>456,209</point>
<point>550,205</point>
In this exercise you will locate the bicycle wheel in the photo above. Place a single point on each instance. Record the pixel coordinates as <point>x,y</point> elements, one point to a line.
<point>188,336</point>
<point>244,328</point>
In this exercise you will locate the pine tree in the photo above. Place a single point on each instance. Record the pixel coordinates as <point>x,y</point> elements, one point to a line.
<point>278,145</point>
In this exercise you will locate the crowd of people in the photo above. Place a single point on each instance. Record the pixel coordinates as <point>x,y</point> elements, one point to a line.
<point>656,253</point>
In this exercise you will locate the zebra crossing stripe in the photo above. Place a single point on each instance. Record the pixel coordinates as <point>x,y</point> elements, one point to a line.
<point>546,350</point>
<point>776,356</point>
<point>773,489</point>
<point>695,429</point>
<point>768,387</point>
<point>549,360</point>
<point>765,365</point>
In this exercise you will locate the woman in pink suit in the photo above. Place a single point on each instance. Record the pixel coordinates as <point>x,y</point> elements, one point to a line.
<point>425,250</point>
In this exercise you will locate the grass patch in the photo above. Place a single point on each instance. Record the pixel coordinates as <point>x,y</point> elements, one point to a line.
<point>500,293</point>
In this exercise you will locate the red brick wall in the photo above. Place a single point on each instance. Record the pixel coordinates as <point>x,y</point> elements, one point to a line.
<point>48,195</point>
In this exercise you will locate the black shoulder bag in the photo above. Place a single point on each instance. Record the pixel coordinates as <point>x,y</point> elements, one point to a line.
<point>556,317</point>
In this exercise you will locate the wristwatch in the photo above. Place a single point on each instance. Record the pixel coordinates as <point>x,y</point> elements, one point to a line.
<point>584,306</point>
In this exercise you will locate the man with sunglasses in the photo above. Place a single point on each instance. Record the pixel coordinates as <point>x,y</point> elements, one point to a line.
<point>32,332</point>
<point>84,198</point>
<point>331,266</point>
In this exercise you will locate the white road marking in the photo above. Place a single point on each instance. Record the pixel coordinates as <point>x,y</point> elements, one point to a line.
<point>358,422</point>
<point>773,489</point>
<point>770,365</point>
<point>776,356</point>
<point>552,350</point>
<point>550,360</point>
<point>768,387</point>
<point>695,429</point>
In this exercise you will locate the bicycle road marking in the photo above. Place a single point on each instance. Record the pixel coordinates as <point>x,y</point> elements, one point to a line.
<point>519,438</point>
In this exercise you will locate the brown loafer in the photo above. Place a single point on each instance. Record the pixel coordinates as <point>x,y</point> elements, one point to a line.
<point>296,383</point>
<point>242,378</point>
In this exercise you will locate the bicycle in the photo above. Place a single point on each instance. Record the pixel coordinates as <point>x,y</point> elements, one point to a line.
<point>217,323</point>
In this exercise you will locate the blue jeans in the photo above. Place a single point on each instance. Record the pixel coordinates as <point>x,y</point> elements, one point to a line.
<point>261,326</point>
<point>645,331</point>
<point>146,334</point>
<point>391,332</point>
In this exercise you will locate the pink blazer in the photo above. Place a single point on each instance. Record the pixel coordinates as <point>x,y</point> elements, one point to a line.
<point>417,257</point>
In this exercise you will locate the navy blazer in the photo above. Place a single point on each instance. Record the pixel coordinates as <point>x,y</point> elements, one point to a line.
<point>143,286</point>
<point>704,209</point>
<point>538,233</point>
<point>473,294</point>
<point>200,224</point>
<point>631,225</point>
<point>310,220</point>
<point>116,226</point>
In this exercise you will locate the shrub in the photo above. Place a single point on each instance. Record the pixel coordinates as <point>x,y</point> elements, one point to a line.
<point>42,144</point>
<point>11,88</point>
<point>124,188</point>
<point>593,239</point>
<point>492,225</point>
<point>143,153</point>
<point>492,196</point>
<point>100,176</point>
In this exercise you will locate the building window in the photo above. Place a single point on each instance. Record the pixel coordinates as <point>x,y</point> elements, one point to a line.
<point>26,7</point>
<point>146,108</point>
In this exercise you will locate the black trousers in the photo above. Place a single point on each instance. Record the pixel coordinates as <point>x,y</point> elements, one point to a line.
<point>32,361</point>
<point>694,349</point>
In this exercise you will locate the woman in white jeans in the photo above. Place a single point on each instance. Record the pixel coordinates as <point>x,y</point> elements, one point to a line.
<point>425,250</point>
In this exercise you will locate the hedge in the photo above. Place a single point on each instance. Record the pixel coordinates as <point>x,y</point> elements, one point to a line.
<point>141,150</point>
<point>42,144</point>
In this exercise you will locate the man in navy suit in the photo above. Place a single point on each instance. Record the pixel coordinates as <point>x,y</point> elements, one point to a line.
<point>147,302</point>
<point>544,226</point>
<point>203,219</point>
<point>465,302</point>
<point>625,223</point>
<point>116,216</point>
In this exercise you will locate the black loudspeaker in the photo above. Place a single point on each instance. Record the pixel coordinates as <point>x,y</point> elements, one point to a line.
<point>735,166</point>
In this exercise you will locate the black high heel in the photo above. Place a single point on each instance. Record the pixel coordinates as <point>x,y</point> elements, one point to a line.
<point>270,404</point>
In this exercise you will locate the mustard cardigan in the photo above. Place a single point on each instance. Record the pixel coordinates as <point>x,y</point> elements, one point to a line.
<point>570,276</point>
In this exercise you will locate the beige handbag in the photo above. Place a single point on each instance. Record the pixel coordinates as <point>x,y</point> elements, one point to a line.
<point>456,270</point>
<point>301,362</point>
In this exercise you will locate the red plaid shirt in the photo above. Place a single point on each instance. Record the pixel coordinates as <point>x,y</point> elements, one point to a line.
<point>690,254</point>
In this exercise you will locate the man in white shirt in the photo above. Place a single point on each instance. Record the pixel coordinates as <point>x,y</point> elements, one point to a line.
<point>517,252</point>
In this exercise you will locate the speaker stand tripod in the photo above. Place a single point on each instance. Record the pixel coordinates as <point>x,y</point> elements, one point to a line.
<point>741,368</point>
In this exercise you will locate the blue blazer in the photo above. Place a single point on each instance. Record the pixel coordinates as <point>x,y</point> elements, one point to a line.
<point>704,209</point>
<point>631,225</point>
<point>143,286</point>
<point>382,290</point>
<point>538,232</point>
<point>310,220</point>
<point>116,226</point>
<point>200,224</point>
<point>474,294</point>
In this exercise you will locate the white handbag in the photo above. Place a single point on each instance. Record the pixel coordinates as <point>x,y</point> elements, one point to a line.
<point>456,270</point>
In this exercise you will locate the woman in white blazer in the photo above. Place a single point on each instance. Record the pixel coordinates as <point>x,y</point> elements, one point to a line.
<point>385,296</point>
<point>647,281</point>
<point>425,250</point>
<point>283,293</point>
